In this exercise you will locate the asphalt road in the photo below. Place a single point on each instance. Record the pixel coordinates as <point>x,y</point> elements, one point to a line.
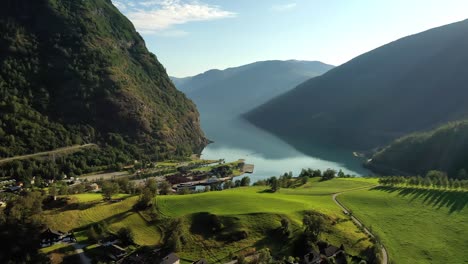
<point>47,153</point>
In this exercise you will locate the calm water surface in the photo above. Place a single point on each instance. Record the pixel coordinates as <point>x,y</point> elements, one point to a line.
<point>237,139</point>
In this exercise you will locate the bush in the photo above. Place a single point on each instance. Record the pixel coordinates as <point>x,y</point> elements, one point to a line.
<point>126,236</point>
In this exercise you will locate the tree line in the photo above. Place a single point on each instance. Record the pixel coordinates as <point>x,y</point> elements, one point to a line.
<point>433,179</point>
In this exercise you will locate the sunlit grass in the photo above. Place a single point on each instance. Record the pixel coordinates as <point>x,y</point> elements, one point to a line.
<point>415,225</point>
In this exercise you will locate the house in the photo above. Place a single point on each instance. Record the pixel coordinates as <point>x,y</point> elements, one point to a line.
<point>312,258</point>
<point>108,241</point>
<point>115,252</point>
<point>331,251</point>
<point>13,189</point>
<point>50,237</point>
<point>93,187</point>
<point>170,259</point>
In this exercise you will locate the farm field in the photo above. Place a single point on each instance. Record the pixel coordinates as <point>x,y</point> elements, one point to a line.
<point>259,212</point>
<point>415,225</point>
<point>249,209</point>
<point>88,209</point>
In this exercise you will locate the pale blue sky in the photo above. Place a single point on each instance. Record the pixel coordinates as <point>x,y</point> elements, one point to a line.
<point>192,36</point>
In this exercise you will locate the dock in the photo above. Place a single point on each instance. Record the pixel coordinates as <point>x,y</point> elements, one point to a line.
<point>248,168</point>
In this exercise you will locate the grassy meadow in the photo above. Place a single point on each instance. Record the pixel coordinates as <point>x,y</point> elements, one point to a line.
<point>415,225</point>
<point>259,213</point>
<point>251,210</point>
<point>87,209</point>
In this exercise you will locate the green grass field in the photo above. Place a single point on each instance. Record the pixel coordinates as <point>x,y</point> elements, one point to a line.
<point>260,212</point>
<point>249,209</point>
<point>415,225</point>
<point>89,209</point>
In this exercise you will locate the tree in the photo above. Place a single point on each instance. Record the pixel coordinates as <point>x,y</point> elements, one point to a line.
<point>317,173</point>
<point>152,186</point>
<point>125,235</point>
<point>462,175</point>
<point>341,174</point>
<point>109,189</point>
<point>313,224</point>
<point>53,191</point>
<point>241,259</point>
<point>20,242</point>
<point>165,188</point>
<point>145,199</point>
<point>237,183</point>
<point>124,184</point>
<point>173,240</point>
<point>436,176</point>
<point>456,184</point>
<point>228,185</point>
<point>63,189</point>
<point>274,184</point>
<point>245,181</point>
<point>80,188</point>
<point>328,174</point>
<point>427,182</point>
<point>23,208</point>
<point>285,226</point>
<point>263,257</point>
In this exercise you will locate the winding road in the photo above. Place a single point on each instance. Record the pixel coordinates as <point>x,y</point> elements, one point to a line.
<point>359,223</point>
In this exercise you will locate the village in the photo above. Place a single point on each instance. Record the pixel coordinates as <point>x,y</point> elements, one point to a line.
<point>182,177</point>
<point>194,175</point>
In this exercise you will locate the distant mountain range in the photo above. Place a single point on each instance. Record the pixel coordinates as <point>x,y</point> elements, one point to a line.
<point>412,84</point>
<point>222,94</point>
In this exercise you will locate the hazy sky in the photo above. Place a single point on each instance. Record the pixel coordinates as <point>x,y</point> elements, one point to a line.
<point>192,36</point>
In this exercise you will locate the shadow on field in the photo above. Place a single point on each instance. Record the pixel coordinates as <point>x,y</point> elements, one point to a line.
<point>109,220</point>
<point>454,200</point>
<point>78,206</point>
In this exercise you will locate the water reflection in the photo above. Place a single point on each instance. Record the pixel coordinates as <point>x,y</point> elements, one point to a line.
<point>237,139</point>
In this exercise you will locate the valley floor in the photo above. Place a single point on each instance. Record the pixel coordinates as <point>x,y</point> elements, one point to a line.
<point>415,225</point>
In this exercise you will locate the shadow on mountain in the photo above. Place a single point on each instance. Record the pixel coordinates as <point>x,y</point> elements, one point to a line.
<point>456,201</point>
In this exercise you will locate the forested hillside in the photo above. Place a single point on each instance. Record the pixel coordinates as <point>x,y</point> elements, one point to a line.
<point>412,84</point>
<point>444,148</point>
<point>75,72</point>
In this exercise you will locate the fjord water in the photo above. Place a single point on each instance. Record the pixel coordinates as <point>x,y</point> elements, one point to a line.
<point>237,139</point>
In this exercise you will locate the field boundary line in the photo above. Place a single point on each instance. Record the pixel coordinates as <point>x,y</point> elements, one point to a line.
<point>358,222</point>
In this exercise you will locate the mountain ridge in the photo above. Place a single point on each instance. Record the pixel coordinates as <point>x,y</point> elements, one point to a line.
<point>238,89</point>
<point>405,72</point>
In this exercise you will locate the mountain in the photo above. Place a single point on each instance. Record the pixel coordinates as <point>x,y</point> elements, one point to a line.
<point>444,148</point>
<point>228,93</point>
<point>77,71</point>
<point>412,84</point>
<point>179,81</point>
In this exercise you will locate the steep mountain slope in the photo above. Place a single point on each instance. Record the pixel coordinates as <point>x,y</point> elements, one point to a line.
<point>231,92</point>
<point>77,71</point>
<point>444,148</point>
<point>412,84</point>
